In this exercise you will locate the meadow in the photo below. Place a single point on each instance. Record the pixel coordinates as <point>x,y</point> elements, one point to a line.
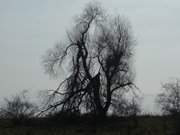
<point>140,125</point>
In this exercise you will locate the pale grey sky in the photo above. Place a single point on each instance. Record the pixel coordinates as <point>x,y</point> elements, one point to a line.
<point>29,27</point>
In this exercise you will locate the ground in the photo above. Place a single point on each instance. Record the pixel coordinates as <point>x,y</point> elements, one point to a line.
<point>142,125</point>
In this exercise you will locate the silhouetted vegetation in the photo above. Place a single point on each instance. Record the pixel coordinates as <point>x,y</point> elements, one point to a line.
<point>18,108</point>
<point>98,96</point>
<point>169,99</point>
<point>99,51</point>
<point>80,125</point>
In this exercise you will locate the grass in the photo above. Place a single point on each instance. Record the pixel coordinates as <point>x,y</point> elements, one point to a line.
<point>141,125</point>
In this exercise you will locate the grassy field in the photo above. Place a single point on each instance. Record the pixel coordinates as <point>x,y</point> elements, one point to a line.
<point>142,125</point>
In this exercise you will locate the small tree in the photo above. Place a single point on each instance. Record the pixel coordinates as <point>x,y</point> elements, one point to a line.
<point>169,99</point>
<point>18,107</point>
<point>126,106</point>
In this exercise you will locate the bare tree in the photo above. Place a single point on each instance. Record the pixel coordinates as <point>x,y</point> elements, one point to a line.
<point>99,51</point>
<point>169,99</point>
<point>18,107</point>
<point>125,105</point>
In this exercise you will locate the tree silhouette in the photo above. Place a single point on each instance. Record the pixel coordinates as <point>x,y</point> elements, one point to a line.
<point>18,107</point>
<point>169,99</point>
<point>99,51</point>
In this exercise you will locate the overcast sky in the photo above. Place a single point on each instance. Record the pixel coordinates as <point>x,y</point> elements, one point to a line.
<point>29,27</point>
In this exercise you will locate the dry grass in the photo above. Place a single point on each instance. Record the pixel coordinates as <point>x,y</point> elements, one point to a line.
<point>146,125</point>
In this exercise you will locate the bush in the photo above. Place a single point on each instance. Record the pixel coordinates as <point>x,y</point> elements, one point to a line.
<point>18,108</point>
<point>169,98</point>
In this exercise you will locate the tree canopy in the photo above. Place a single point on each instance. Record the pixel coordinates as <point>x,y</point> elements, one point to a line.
<point>99,52</point>
<point>169,98</point>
